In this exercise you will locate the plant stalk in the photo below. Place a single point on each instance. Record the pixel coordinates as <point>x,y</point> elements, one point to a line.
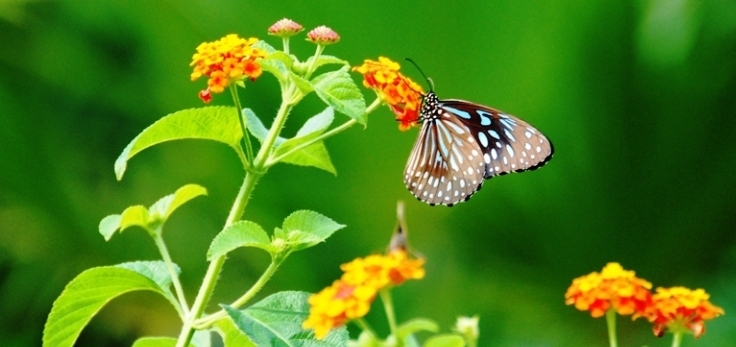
<point>159,240</point>
<point>208,321</point>
<point>243,126</point>
<point>676,339</point>
<point>611,321</point>
<point>388,305</point>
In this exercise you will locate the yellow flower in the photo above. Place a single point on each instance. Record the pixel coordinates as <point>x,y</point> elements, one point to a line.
<point>227,60</point>
<point>613,288</point>
<point>350,297</point>
<point>679,309</point>
<point>399,92</point>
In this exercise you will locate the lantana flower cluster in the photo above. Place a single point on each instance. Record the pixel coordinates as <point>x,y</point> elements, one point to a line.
<point>350,297</point>
<point>676,309</point>
<point>399,92</point>
<point>230,59</point>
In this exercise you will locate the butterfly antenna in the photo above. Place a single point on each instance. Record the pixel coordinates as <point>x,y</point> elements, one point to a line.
<point>429,80</point>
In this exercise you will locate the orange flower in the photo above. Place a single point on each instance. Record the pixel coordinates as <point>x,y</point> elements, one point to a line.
<point>227,60</point>
<point>399,92</point>
<point>679,309</point>
<point>613,288</point>
<point>350,297</point>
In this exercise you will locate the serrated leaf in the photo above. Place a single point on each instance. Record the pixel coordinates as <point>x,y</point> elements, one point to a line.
<point>303,229</point>
<point>276,68</point>
<point>264,46</point>
<point>337,89</point>
<point>318,123</point>
<point>155,270</point>
<point>277,321</point>
<point>217,123</point>
<point>314,155</point>
<point>134,216</point>
<point>109,225</point>
<point>326,59</point>
<point>164,207</point>
<point>240,234</point>
<point>446,340</point>
<point>86,294</point>
<point>231,335</point>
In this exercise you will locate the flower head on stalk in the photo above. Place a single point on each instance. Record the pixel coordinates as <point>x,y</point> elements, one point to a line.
<point>285,28</point>
<point>323,36</point>
<point>230,59</point>
<point>612,288</point>
<point>399,92</point>
<point>350,297</point>
<point>681,310</point>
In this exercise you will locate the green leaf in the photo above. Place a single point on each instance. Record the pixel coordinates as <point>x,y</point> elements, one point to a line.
<point>231,335</point>
<point>240,234</point>
<point>416,325</point>
<point>326,59</point>
<point>276,68</point>
<point>216,123</point>
<point>86,294</point>
<point>154,270</point>
<point>303,229</point>
<point>315,155</point>
<point>164,207</point>
<point>282,57</point>
<point>135,216</point>
<point>109,225</point>
<point>446,340</point>
<point>337,89</point>
<point>264,46</point>
<point>255,126</point>
<point>277,321</point>
<point>304,86</point>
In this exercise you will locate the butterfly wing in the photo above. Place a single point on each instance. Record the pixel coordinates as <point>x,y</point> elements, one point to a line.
<point>446,164</point>
<point>508,144</point>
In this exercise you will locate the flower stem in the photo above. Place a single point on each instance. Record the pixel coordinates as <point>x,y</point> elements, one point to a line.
<point>388,305</point>
<point>676,339</point>
<point>317,54</point>
<point>243,126</point>
<point>159,240</point>
<point>285,40</point>
<point>206,322</point>
<point>271,161</point>
<point>611,320</point>
<point>213,271</point>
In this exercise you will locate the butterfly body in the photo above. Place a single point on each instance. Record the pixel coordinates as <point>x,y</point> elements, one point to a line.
<point>461,144</point>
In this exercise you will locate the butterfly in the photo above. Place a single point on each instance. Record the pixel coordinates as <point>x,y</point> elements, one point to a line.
<point>462,143</point>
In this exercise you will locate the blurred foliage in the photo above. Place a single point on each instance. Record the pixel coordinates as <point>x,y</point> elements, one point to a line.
<point>639,99</point>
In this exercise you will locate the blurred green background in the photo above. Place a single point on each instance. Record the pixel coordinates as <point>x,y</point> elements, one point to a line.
<point>639,98</point>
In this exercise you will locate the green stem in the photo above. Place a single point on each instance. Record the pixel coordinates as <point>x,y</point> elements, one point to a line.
<point>285,40</point>
<point>611,320</point>
<point>213,271</point>
<point>388,305</point>
<point>243,126</point>
<point>317,54</point>
<point>172,272</point>
<point>271,161</point>
<point>206,322</point>
<point>676,339</point>
<point>274,132</point>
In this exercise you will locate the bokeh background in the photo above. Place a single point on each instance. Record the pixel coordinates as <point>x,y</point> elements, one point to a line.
<point>639,98</point>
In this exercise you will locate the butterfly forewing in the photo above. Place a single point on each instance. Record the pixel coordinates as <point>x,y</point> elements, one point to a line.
<point>461,143</point>
<point>509,144</point>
